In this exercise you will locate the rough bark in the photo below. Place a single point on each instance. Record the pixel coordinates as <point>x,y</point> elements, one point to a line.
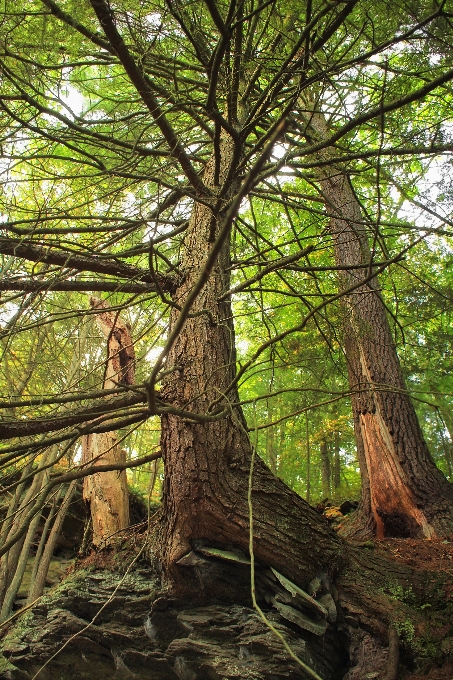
<point>107,492</point>
<point>403,492</point>
<point>207,464</point>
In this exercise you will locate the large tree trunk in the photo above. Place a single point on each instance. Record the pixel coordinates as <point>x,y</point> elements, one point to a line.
<point>107,492</point>
<point>207,463</point>
<point>403,492</point>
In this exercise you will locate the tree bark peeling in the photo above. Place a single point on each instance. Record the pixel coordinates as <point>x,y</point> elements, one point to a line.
<point>399,477</point>
<point>107,492</point>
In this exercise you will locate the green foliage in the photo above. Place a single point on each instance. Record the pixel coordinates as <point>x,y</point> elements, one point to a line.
<point>86,169</point>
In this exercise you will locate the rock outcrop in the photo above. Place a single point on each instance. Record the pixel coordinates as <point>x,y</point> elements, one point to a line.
<point>142,633</point>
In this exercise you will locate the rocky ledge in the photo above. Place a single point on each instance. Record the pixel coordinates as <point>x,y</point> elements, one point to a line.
<point>140,632</point>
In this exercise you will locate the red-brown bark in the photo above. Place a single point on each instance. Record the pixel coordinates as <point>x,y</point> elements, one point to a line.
<point>403,492</point>
<point>207,464</point>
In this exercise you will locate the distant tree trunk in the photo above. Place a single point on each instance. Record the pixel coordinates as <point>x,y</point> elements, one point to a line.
<point>446,421</point>
<point>154,469</point>
<point>107,491</point>
<point>325,469</point>
<point>207,464</point>
<point>15,561</point>
<point>53,511</point>
<point>307,446</point>
<point>271,448</point>
<point>336,462</point>
<point>19,570</point>
<point>403,492</point>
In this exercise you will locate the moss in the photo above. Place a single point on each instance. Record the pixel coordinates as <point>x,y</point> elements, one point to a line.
<point>5,665</point>
<point>422,614</point>
<point>395,591</point>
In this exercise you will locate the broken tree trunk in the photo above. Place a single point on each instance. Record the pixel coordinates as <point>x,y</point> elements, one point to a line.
<point>403,492</point>
<point>107,492</point>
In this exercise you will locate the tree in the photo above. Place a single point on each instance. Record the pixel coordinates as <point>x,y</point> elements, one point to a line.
<point>107,492</point>
<point>179,111</point>
<point>403,492</point>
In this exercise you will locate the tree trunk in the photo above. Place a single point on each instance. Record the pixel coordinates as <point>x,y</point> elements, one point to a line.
<point>207,464</point>
<point>54,508</point>
<point>17,559</point>
<point>447,422</point>
<point>403,492</point>
<point>271,449</point>
<point>19,570</point>
<point>325,469</point>
<point>307,446</point>
<point>25,503</point>
<point>107,492</point>
<point>336,462</point>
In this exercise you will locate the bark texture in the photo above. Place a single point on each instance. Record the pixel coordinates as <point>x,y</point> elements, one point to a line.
<point>207,464</point>
<point>403,492</point>
<point>107,492</point>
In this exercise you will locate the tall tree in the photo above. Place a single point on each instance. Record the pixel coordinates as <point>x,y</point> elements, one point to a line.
<point>142,136</point>
<point>403,492</point>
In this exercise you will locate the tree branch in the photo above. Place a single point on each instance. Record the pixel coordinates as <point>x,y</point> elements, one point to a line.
<point>143,87</point>
<point>43,285</point>
<point>27,251</point>
<point>9,430</point>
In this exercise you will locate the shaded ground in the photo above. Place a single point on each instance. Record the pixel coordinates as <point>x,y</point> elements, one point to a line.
<point>435,555</point>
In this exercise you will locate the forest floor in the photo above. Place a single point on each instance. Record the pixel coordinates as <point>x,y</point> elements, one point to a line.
<point>434,555</point>
<point>436,558</point>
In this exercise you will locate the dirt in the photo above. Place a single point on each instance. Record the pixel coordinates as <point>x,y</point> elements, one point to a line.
<point>435,556</point>
<point>423,554</point>
<point>445,673</point>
